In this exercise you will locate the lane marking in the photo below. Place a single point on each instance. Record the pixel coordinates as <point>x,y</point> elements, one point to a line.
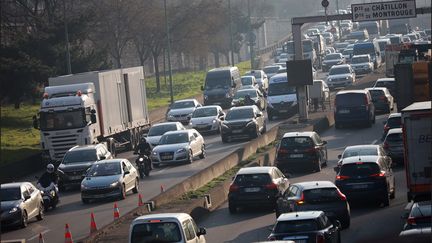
<point>36,236</point>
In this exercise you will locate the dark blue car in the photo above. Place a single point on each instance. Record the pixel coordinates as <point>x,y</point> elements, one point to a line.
<point>354,107</point>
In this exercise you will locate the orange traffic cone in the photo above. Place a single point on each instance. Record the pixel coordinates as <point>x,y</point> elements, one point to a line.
<point>116,212</point>
<point>41,239</point>
<point>68,235</point>
<point>140,200</point>
<point>93,227</point>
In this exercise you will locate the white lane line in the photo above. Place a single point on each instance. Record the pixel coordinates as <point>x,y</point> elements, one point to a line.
<point>36,236</point>
<point>374,141</point>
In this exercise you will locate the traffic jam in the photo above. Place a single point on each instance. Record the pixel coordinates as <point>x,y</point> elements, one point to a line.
<point>371,81</point>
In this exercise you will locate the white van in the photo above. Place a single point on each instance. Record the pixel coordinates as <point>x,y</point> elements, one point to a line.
<point>166,227</point>
<point>281,98</point>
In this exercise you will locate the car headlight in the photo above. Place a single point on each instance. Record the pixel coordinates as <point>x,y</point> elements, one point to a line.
<point>227,95</point>
<point>182,150</point>
<point>141,159</point>
<point>347,78</point>
<point>329,80</point>
<point>170,116</point>
<point>114,184</point>
<point>154,153</point>
<point>269,104</point>
<point>214,121</point>
<point>60,171</point>
<point>84,187</point>
<point>13,210</point>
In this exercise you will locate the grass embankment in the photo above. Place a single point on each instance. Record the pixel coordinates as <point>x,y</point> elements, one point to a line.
<point>19,140</point>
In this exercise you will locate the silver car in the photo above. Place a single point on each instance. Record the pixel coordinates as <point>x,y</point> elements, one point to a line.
<point>109,178</point>
<point>157,130</point>
<point>362,64</point>
<point>341,76</point>
<point>182,110</point>
<point>178,146</point>
<point>207,119</point>
<point>261,78</point>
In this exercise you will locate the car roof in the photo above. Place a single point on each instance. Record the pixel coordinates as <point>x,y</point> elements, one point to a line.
<point>307,185</point>
<point>245,107</point>
<point>341,65</point>
<point>397,114</point>
<point>368,146</point>
<point>13,184</point>
<point>298,134</point>
<point>385,79</point>
<point>164,123</point>
<point>394,130</point>
<point>255,170</point>
<point>377,88</point>
<point>208,106</point>
<point>110,161</point>
<point>354,91</point>
<point>84,147</point>
<point>247,89</point>
<point>177,132</point>
<point>185,100</point>
<point>299,215</point>
<point>361,158</point>
<point>145,218</point>
<point>363,55</point>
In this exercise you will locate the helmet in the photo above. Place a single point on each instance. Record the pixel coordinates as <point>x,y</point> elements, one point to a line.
<point>143,139</point>
<point>50,168</point>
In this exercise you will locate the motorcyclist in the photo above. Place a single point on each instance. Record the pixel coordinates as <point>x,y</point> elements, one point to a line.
<point>248,100</point>
<point>144,148</point>
<point>48,177</point>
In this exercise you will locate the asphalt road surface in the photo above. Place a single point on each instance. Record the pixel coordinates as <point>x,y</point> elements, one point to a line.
<point>369,222</point>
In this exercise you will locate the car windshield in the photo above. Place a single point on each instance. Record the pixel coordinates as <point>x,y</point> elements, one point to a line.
<point>296,142</point>
<point>60,120</point>
<point>255,74</point>
<point>347,52</point>
<point>252,179</point>
<point>79,156</point>
<point>104,169</point>
<point>246,80</point>
<point>239,114</point>
<point>351,152</point>
<point>174,138</point>
<point>364,49</point>
<point>183,104</point>
<point>394,137</point>
<point>360,59</point>
<point>332,57</point>
<point>340,45</point>
<point>272,69</point>
<point>161,129</point>
<point>157,231</point>
<point>376,93</point>
<point>280,88</point>
<point>10,194</point>
<point>321,195</point>
<point>359,169</point>
<point>307,46</point>
<point>384,84</point>
<point>205,112</point>
<point>339,70</point>
<point>242,93</point>
<point>295,226</point>
<point>217,83</point>
<point>394,122</point>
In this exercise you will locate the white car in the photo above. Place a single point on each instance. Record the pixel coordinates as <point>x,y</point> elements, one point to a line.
<point>182,110</point>
<point>178,146</point>
<point>261,78</point>
<point>362,64</point>
<point>157,130</point>
<point>341,76</point>
<point>272,70</point>
<point>207,119</point>
<point>250,81</point>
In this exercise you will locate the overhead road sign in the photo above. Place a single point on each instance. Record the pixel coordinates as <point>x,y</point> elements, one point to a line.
<point>383,10</point>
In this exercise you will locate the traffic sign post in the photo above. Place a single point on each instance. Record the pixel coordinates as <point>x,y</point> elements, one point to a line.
<point>383,10</point>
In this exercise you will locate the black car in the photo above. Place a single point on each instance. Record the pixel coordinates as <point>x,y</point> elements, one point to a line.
<point>303,150</point>
<point>394,146</point>
<point>316,195</point>
<point>354,106</point>
<point>242,123</point>
<point>256,186</point>
<point>394,120</point>
<point>307,227</point>
<point>77,160</point>
<point>366,178</point>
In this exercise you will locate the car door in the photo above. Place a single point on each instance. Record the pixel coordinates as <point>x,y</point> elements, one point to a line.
<point>193,141</point>
<point>260,118</point>
<point>29,204</point>
<point>330,231</point>
<point>287,202</point>
<point>126,177</point>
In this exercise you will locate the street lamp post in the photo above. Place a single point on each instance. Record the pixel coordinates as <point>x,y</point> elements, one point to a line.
<point>230,33</point>
<point>169,53</point>
<point>68,61</point>
<point>251,37</point>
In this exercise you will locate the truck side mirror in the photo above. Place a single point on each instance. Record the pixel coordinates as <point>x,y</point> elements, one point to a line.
<point>93,118</point>
<point>35,123</point>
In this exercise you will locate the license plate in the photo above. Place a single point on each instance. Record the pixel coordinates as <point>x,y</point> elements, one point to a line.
<point>361,186</point>
<point>296,155</point>
<point>75,177</point>
<point>237,131</point>
<point>166,157</point>
<point>283,111</point>
<point>252,189</point>
<point>344,111</point>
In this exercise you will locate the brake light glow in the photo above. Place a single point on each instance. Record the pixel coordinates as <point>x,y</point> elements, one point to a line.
<point>411,221</point>
<point>271,186</point>
<point>378,175</point>
<point>341,195</point>
<point>386,127</point>
<point>301,200</point>
<point>233,188</point>
<point>341,177</point>
<point>154,220</point>
<point>311,150</point>
<point>283,151</point>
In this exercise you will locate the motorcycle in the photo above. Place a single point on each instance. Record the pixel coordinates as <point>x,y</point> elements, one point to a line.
<point>144,165</point>
<point>49,195</point>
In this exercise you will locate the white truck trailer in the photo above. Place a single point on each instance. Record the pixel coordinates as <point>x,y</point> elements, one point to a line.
<point>417,134</point>
<point>93,107</point>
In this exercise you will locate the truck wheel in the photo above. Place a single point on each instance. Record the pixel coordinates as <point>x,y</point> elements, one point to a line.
<point>190,159</point>
<point>203,152</point>
<point>232,208</point>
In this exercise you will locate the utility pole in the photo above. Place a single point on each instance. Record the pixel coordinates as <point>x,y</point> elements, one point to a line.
<point>169,53</point>
<point>230,33</point>
<point>339,27</point>
<point>68,61</point>
<point>251,37</point>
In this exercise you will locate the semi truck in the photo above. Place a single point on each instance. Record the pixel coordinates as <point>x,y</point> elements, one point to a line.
<point>94,107</point>
<point>417,137</point>
<point>404,53</point>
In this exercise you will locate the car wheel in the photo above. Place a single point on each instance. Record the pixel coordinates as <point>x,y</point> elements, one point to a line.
<point>256,133</point>
<point>203,153</point>
<point>346,221</point>
<point>190,157</point>
<point>386,199</point>
<point>232,208</point>
<point>135,189</point>
<point>393,193</point>
<point>85,200</point>
<point>123,192</point>
<point>318,166</point>
<point>40,216</point>
<point>337,125</point>
<point>24,219</point>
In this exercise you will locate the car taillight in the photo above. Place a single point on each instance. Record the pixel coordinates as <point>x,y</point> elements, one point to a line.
<point>379,175</point>
<point>341,177</point>
<point>386,127</point>
<point>341,195</point>
<point>283,151</point>
<point>320,238</point>
<point>366,102</point>
<point>385,145</point>
<point>383,98</point>
<point>301,200</point>
<point>271,186</point>
<point>233,188</point>
<point>271,238</point>
<point>411,221</point>
<point>311,150</point>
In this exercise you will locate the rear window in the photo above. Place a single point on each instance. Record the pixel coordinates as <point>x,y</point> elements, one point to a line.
<point>385,84</point>
<point>156,232</point>
<point>321,195</point>
<point>296,226</point>
<point>252,179</point>
<point>394,122</point>
<point>375,93</point>
<point>351,152</point>
<point>352,99</point>
<point>394,137</point>
<point>296,142</point>
<point>359,169</point>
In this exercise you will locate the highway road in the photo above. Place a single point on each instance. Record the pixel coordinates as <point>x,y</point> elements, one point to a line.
<point>369,223</point>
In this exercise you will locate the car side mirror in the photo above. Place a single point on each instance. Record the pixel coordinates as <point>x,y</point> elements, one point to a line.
<point>337,223</point>
<point>339,156</point>
<point>26,197</point>
<point>222,118</point>
<point>202,231</point>
<point>102,157</point>
<point>35,123</point>
<point>336,169</point>
<point>258,114</point>
<point>93,118</point>
<point>202,87</point>
<point>127,172</point>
